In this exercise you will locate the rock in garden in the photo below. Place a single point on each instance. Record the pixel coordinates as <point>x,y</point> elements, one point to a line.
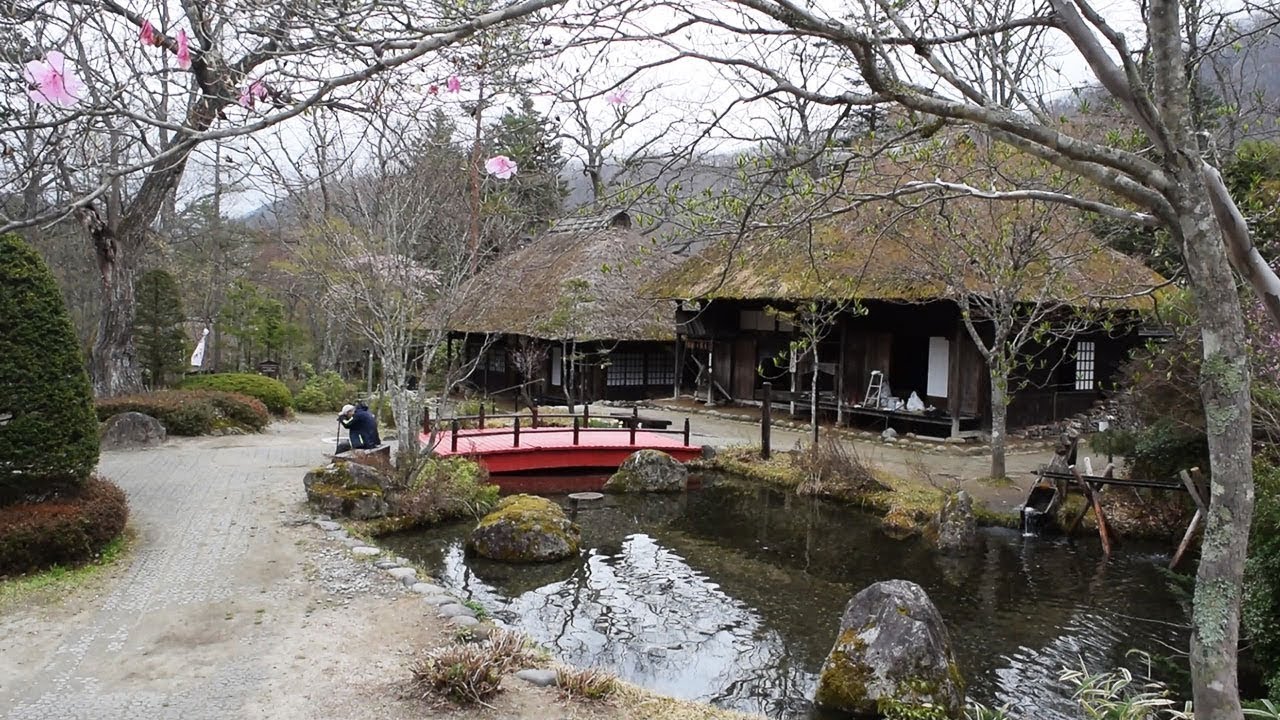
<point>649,471</point>
<point>892,648</point>
<point>132,430</point>
<point>956,526</point>
<point>539,678</point>
<point>406,576</point>
<point>365,551</point>
<point>525,528</point>
<point>463,621</point>
<point>456,610</point>
<point>348,490</point>
<point>889,434</point>
<point>423,588</point>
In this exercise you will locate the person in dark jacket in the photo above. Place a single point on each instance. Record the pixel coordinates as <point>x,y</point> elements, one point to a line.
<point>361,425</point>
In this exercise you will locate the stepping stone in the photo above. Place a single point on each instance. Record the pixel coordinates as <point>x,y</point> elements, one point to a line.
<point>423,588</point>
<point>365,551</point>
<point>338,534</point>
<point>351,542</point>
<point>328,525</point>
<point>406,576</point>
<point>539,678</point>
<point>323,517</point>
<point>463,621</point>
<point>386,564</point>
<point>454,610</point>
<point>440,600</point>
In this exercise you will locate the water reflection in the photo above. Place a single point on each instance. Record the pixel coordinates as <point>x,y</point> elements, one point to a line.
<point>733,596</point>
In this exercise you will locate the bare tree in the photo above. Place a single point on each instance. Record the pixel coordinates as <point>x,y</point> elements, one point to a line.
<point>114,159</point>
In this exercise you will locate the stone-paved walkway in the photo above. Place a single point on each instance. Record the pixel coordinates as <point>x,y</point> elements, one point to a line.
<point>214,607</point>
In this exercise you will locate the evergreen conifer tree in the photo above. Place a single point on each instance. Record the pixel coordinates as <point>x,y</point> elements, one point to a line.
<point>157,326</point>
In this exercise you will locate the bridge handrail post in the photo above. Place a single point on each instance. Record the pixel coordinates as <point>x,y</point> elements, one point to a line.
<point>481,420</point>
<point>635,422</point>
<point>533,410</point>
<point>453,440</point>
<point>516,432</point>
<point>575,430</point>
<point>426,421</point>
<point>586,415</point>
<point>686,432</point>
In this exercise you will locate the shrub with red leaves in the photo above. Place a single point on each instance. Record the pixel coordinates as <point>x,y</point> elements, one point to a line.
<point>191,412</point>
<point>66,530</point>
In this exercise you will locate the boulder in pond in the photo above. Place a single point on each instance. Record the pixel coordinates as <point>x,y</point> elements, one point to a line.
<point>347,490</point>
<point>131,430</point>
<point>525,529</point>
<point>892,651</point>
<point>649,471</point>
<point>956,527</point>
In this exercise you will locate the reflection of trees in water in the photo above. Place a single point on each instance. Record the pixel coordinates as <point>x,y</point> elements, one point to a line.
<point>735,598</point>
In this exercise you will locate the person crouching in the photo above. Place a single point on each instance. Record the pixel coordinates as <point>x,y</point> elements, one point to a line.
<point>362,427</point>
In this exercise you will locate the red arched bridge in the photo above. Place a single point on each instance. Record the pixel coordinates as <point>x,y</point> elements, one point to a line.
<point>521,443</point>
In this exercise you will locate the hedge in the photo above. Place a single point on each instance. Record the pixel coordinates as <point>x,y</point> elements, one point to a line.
<point>65,530</point>
<point>191,412</point>
<point>273,393</point>
<point>326,392</point>
<point>48,436</point>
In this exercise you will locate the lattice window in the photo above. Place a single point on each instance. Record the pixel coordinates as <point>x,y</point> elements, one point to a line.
<point>1086,364</point>
<point>662,370</point>
<point>497,361</point>
<point>625,369</point>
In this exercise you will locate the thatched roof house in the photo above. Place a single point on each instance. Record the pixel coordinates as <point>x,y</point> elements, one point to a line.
<point>570,300</point>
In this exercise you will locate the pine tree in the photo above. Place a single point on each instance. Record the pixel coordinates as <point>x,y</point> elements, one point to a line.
<point>157,326</point>
<point>48,430</point>
<point>537,192</point>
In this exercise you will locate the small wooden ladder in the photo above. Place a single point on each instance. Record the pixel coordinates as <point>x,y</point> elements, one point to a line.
<point>872,398</point>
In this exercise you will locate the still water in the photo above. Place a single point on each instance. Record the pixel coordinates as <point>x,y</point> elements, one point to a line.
<point>733,596</point>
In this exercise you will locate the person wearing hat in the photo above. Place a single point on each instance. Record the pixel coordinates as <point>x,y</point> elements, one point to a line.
<point>361,425</point>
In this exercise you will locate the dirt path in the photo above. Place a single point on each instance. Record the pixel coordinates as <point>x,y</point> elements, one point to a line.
<point>230,606</point>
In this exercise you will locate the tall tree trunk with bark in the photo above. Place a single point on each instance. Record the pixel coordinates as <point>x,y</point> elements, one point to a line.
<point>999,418</point>
<point>1224,389</point>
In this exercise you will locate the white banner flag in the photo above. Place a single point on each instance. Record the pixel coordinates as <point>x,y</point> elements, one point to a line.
<point>197,357</point>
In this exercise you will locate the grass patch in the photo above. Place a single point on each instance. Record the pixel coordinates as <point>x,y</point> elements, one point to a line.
<point>57,581</point>
<point>586,683</point>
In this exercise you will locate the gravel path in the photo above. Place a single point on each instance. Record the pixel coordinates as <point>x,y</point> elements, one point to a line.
<point>226,599</point>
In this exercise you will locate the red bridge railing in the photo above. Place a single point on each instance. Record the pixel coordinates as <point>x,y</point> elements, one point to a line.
<point>581,424</point>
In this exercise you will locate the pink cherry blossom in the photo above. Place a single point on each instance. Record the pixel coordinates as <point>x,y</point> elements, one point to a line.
<point>618,97</point>
<point>256,91</point>
<point>184,50</point>
<point>501,167</point>
<point>433,90</point>
<point>148,35</point>
<point>55,83</point>
<point>454,84</point>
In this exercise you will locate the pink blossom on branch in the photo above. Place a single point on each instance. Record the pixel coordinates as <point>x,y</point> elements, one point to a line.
<point>256,91</point>
<point>184,50</point>
<point>454,84</point>
<point>53,81</point>
<point>501,167</point>
<point>148,35</point>
<point>618,97</point>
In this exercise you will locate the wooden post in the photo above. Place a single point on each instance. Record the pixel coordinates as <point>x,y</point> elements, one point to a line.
<point>1101,517</point>
<point>515,432</point>
<point>533,410</point>
<point>453,441</point>
<point>426,421</point>
<point>575,429</point>
<point>1202,509</point>
<point>586,415</point>
<point>635,422</point>
<point>686,432</point>
<point>766,422</point>
<point>480,421</point>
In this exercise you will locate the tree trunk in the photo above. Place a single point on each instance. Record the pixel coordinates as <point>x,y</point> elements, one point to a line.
<point>1224,389</point>
<point>113,360</point>
<point>813,395</point>
<point>999,421</point>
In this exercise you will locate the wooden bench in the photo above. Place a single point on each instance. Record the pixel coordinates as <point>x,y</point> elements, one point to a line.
<point>648,423</point>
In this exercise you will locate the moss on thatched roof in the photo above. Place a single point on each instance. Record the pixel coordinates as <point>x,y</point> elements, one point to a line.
<point>573,282</point>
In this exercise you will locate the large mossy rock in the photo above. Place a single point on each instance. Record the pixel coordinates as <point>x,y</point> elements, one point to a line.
<point>892,651</point>
<point>525,529</point>
<point>48,428</point>
<point>956,526</point>
<point>349,490</point>
<point>128,430</point>
<point>649,471</point>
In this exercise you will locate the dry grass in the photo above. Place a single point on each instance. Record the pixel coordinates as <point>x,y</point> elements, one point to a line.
<point>467,674</point>
<point>586,683</point>
<point>640,704</point>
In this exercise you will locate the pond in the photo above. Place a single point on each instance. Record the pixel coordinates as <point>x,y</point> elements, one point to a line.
<point>733,595</point>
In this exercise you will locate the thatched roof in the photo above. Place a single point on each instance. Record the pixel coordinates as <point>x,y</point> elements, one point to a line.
<point>580,280</point>
<point>919,245</point>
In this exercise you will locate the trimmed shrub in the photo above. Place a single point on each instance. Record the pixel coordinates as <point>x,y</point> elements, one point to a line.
<point>273,393</point>
<point>191,412</point>
<point>48,436</point>
<point>326,392</point>
<point>444,489</point>
<point>65,530</point>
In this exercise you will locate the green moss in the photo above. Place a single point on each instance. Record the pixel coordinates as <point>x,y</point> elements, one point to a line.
<point>843,684</point>
<point>346,492</point>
